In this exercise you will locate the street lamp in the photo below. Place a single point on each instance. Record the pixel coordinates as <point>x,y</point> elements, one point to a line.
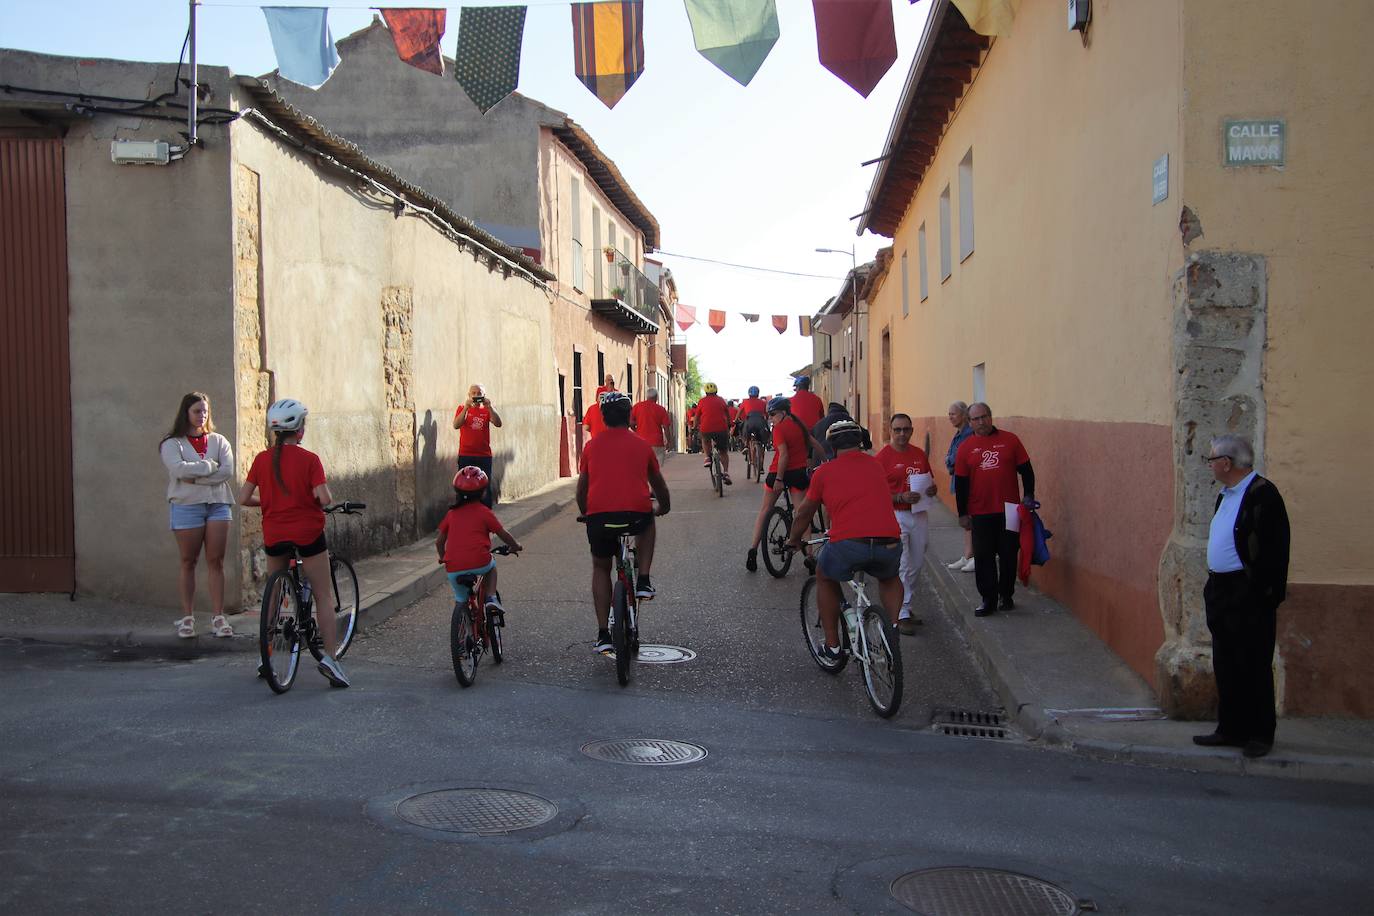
<point>851,376</point>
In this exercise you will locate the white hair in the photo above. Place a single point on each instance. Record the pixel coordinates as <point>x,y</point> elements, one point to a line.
<point>1237,448</point>
<point>651,394</point>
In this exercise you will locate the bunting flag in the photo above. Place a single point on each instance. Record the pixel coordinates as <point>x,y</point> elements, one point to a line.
<point>856,40</point>
<point>989,17</point>
<point>416,34</point>
<point>302,42</point>
<point>735,35</point>
<point>608,46</point>
<point>685,315</point>
<point>716,321</point>
<point>780,323</point>
<point>804,325</point>
<point>487,64</point>
<point>748,317</point>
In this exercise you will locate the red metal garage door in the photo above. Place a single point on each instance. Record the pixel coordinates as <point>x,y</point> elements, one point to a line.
<point>36,543</point>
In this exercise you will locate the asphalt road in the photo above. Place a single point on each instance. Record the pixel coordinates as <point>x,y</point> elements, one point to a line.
<point>188,787</point>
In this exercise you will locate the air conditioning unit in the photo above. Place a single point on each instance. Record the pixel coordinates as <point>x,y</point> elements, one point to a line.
<point>140,152</point>
<point>1079,13</point>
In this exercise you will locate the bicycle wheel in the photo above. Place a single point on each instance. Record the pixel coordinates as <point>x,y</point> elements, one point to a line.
<point>883,673</point>
<point>346,598</point>
<point>776,559</point>
<point>462,644</point>
<point>620,632</point>
<point>812,631</point>
<point>494,639</point>
<point>279,637</point>
<point>717,475</point>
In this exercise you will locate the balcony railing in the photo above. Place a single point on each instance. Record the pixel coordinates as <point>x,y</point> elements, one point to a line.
<point>632,299</point>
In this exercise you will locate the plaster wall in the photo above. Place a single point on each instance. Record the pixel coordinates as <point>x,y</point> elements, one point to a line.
<point>150,318</point>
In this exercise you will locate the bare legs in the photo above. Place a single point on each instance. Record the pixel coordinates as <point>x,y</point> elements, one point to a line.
<point>828,597</point>
<point>212,537</point>
<point>316,571</point>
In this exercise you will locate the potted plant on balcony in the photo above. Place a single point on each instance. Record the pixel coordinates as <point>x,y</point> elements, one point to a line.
<point>618,292</point>
<point>609,252</point>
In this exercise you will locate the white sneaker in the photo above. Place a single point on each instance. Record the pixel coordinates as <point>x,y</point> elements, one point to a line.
<point>331,669</point>
<point>959,563</point>
<point>968,567</point>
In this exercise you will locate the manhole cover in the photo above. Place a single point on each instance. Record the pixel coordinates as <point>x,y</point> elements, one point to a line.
<point>975,891</point>
<point>645,751</point>
<point>486,812</point>
<point>964,723</point>
<point>664,655</point>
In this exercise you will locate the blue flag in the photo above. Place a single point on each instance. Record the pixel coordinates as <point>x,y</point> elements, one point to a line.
<point>304,47</point>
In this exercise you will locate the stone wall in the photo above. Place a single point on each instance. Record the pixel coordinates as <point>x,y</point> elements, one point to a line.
<point>253,383</point>
<point>398,307</point>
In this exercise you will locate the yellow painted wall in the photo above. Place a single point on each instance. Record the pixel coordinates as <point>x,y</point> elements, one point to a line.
<point>1313,220</point>
<point>1066,296</point>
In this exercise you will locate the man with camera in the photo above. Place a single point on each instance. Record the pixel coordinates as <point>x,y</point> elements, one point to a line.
<point>474,421</point>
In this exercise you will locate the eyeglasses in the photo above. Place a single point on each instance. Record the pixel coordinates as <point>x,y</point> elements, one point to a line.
<point>1208,459</point>
<point>986,416</point>
<point>902,429</point>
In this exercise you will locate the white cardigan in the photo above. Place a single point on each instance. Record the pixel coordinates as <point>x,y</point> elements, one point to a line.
<point>193,479</point>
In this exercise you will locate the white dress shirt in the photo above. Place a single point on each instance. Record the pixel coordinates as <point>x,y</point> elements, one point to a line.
<point>1221,538</point>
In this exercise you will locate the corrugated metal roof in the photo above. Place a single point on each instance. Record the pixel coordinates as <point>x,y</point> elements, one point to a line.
<point>291,119</point>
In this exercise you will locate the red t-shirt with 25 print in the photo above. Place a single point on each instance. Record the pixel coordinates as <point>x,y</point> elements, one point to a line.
<point>989,463</point>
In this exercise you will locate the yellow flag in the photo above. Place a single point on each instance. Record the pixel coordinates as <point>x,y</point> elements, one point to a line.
<point>989,17</point>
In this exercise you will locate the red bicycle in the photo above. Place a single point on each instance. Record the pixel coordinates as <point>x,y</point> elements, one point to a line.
<point>473,629</point>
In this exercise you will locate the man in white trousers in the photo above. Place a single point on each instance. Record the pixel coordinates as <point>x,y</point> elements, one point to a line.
<point>907,468</point>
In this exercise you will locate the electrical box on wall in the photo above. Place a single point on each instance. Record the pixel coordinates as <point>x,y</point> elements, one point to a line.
<point>1079,11</point>
<point>140,152</point>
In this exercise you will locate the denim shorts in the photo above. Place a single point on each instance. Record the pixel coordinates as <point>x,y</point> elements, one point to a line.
<point>184,516</point>
<point>839,560</point>
<point>461,589</point>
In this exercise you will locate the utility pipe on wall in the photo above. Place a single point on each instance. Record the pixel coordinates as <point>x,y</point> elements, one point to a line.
<point>192,95</point>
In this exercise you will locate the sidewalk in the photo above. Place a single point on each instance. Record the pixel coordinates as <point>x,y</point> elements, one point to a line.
<point>386,584</point>
<point>1062,686</point>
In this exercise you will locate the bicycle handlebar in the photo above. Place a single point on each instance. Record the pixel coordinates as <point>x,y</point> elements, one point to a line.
<point>502,550</point>
<point>346,507</point>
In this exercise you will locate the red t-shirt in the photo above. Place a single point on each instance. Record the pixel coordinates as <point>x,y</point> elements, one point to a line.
<point>648,419</point>
<point>474,436</point>
<point>897,465</point>
<point>734,413</point>
<point>853,488</point>
<point>293,515</point>
<point>791,435</point>
<point>592,420</point>
<point>753,405</point>
<point>468,528</point>
<point>989,463</point>
<point>617,464</point>
<point>808,408</point>
<point>200,443</point>
<point>692,417</point>
<point>713,414</point>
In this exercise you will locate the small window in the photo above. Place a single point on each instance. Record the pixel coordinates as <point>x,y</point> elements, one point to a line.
<point>966,206</point>
<point>906,288</point>
<point>946,266</point>
<point>579,268</point>
<point>629,379</point>
<point>980,383</point>
<point>921,262</point>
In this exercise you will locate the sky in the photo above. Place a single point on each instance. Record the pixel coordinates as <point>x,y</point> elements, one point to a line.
<point>759,175</point>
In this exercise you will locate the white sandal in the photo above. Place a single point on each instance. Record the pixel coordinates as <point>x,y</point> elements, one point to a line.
<point>186,627</point>
<point>220,627</point>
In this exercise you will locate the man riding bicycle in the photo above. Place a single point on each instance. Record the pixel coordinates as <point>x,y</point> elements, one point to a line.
<point>614,481</point>
<point>713,422</point>
<point>753,413</point>
<point>864,536</point>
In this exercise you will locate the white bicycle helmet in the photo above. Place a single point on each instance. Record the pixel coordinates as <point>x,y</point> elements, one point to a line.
<point>286,415</point>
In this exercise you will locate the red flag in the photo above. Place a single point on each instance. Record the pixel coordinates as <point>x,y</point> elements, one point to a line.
<point>780,323</point>
<point>686,316</point>
<point>716,320</point>
<point>856,40</point>
<point>416,33</point>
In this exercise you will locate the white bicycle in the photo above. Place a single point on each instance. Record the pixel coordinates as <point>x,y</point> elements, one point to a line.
<point>865,633</point>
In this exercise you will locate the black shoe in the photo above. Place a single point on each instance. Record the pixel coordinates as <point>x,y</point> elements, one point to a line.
<point>603,645</point>
<point>644,589</point>
<point>1254,749</point>
<point>751,560</point>
<point>985,610</point>
<point>726,477</point>
<point>1217,739</point>
<point>1007,605</point>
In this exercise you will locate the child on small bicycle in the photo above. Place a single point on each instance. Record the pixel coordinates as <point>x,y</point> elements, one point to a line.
<point>288,482</point>
<point>464,541</point>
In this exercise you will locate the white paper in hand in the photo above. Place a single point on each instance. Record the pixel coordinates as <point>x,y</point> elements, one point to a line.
<point>918,484</point>
<point>1013,516</point>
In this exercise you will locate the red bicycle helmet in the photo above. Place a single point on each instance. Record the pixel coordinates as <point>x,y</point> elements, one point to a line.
<point>469,480</point>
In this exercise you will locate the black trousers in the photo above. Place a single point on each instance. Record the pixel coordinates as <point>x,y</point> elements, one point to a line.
<point>994,557</point>
<point>1243,632</point>
<point>483,462</point>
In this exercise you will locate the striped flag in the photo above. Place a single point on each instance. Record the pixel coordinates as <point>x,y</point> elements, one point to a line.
<point>735,35</point>
<point>416,34</point>
<point>804,325</point>
<point>487,64</point>
<point>608,47</point>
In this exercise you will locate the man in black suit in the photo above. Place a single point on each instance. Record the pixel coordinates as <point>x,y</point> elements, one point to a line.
<point>1247,576</point>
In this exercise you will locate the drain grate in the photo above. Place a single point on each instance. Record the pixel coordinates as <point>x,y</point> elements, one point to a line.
<point>645,751</point>
<point>965,723</point>
<point>976,891</point>
<point>664,655</point>
<point>484,812</point>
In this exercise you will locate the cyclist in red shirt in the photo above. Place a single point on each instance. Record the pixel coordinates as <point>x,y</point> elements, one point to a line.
<point>863,532</point>
<point>464,539</point>
<point>791,446</point>
<point>753,420</point>
<point>713,422</point>
<point>808,408</point>
<point>614,482</point>
<point>651,423</point>
<point>901,460</point>
<point>693,442</point>
<point>474,421</point>
<point>288,482</point>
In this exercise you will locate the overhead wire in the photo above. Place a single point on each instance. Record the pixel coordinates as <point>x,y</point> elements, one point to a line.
<point>770,270</point>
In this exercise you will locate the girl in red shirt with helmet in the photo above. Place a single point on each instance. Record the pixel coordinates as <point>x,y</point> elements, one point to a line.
<point>464,541</point>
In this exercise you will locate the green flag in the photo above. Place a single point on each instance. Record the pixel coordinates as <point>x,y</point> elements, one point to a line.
<point>735,35</point>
